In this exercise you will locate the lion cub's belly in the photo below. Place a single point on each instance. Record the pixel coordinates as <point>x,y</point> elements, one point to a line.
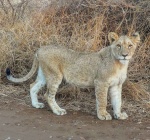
<point>80,77</point>
<point>81,81</point>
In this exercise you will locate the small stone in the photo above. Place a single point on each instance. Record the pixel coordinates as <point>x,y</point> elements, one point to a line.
<point>7,138</point>
<point>84,125</point>
<point>82,138</point>
<point>75,113</point>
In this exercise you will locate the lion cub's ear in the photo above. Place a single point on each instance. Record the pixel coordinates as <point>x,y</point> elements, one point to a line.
<point>112,37</point>
<point>136,38</point>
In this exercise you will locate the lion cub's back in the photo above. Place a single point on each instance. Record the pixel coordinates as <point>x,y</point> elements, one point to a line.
<point>56,57</point>
<point>49,51</point>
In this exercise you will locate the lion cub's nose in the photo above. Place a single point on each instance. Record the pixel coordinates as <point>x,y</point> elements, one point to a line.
<point>124,55</point>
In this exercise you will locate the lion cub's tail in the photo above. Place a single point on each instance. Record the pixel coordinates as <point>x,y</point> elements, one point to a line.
<point>26,77</point>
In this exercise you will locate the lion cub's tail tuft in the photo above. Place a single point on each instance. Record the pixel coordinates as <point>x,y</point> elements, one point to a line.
<point>26,77</point>
<point>8,72</point>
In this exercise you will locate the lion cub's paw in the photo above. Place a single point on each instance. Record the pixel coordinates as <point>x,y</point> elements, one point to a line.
<point>121,116</point>
<point>60,111</point>
<point>105,116</point>
<point>38,105</point>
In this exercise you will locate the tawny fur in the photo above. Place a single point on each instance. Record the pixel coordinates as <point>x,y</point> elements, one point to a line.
<point>105,70</point>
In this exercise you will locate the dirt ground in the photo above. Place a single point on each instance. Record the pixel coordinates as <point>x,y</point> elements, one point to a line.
<point>20,121</point>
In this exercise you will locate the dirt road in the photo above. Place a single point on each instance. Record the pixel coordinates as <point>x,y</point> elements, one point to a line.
<point>19,122</point>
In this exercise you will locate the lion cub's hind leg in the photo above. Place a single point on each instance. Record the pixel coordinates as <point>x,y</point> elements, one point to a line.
<point>35,87</point>
<point>53,82</point>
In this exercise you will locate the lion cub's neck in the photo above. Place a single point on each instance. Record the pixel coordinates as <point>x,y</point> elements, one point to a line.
<point>121,64</point>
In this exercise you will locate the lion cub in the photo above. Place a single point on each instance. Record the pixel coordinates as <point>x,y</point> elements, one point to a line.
<point>105,70</point>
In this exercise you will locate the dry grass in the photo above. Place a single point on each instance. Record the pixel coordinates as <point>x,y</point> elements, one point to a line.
<point>81,25</point>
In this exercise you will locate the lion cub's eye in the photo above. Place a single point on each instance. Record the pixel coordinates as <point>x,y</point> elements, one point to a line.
<point>130,46</point>
<point>118,46</point>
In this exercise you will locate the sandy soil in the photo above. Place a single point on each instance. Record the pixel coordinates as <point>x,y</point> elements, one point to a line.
<point>22,122</point>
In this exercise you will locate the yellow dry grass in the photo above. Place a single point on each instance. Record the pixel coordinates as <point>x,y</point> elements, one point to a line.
<point>81,25</point>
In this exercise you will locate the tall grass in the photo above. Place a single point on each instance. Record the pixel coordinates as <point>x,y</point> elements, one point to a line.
<point>82,25</point>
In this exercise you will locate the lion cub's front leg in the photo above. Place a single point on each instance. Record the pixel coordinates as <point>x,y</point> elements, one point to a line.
<point>115,94</point>
<point>101,100</point>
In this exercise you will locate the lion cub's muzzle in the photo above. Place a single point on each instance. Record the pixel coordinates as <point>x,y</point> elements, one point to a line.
<point>125,56</point>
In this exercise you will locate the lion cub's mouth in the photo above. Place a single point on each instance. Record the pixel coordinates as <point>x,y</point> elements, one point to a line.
<point>125,59</point>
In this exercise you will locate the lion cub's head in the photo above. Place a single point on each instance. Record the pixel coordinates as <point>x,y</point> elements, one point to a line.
<point>123,47</point>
